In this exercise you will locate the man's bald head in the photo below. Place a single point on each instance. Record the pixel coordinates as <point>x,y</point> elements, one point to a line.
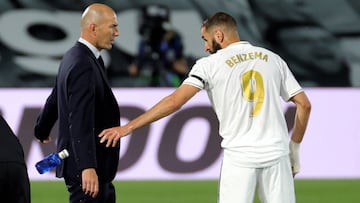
<point>94,14</point>
<point>99,26</point>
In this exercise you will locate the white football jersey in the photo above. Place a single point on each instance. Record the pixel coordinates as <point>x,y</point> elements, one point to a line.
<point>244,84</point>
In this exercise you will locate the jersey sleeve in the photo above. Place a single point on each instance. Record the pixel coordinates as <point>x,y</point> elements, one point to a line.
<point>289,86</point>
<point>197,77</point>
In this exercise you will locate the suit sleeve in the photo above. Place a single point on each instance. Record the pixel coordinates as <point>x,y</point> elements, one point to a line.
<point>47,117</point>
<point>81,103</point>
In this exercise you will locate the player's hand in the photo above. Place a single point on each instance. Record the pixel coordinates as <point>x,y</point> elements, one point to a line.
<point>294,157</point>
<point>112,135</point>
<point>294,173</point>
<point>90,182</point>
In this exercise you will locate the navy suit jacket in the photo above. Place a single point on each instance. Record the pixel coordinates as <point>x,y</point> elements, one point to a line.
<point>84,105</point>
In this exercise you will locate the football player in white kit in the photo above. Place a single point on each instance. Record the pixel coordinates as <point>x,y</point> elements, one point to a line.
<point>245,85</point>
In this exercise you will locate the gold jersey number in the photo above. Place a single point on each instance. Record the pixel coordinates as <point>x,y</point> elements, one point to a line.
<point>253,90</point>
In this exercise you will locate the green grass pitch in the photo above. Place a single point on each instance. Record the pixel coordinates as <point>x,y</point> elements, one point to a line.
<point>307,191</point>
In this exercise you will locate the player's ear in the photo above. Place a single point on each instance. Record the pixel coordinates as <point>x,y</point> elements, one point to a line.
<point>219,36</point>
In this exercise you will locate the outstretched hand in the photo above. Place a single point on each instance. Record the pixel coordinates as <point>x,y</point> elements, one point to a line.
<point>112,135</point>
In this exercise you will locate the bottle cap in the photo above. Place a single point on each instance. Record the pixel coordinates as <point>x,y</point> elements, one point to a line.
<point>63,154</point>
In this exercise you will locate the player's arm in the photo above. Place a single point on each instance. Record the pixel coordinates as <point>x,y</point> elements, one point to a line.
<point>303,108</point>
<point>163,108</point>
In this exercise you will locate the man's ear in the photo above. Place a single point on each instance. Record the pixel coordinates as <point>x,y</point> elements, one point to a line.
<point>92,27</point>
<point>219,36</point>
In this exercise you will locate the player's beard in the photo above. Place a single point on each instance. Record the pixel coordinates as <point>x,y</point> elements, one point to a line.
<point>215,47</point>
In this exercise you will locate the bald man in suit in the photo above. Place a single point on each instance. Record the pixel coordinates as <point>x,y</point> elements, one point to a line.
<point>83,102</point>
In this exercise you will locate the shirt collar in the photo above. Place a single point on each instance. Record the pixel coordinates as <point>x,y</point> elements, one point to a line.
<point>240,42</point>
<point>93,49</point>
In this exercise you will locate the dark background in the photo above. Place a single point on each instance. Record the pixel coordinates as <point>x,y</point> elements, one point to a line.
<point>318,39</point>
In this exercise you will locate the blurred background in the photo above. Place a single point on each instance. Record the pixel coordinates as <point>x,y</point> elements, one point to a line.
<point>159,40</point>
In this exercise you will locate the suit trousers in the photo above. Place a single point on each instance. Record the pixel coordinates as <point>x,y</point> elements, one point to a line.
<point>106,192</point>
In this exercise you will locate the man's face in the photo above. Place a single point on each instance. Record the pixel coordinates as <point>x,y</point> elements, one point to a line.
<point>210,44</point>
<point>106,32</point>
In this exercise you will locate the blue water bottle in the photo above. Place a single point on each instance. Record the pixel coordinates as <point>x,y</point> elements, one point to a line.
<point>51,161</point>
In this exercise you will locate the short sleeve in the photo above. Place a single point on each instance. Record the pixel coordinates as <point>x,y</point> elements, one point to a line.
<point>289,86</point>
<point>197,76</point>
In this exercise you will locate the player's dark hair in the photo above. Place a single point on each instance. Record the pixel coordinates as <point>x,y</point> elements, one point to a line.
<point>219,19</point>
